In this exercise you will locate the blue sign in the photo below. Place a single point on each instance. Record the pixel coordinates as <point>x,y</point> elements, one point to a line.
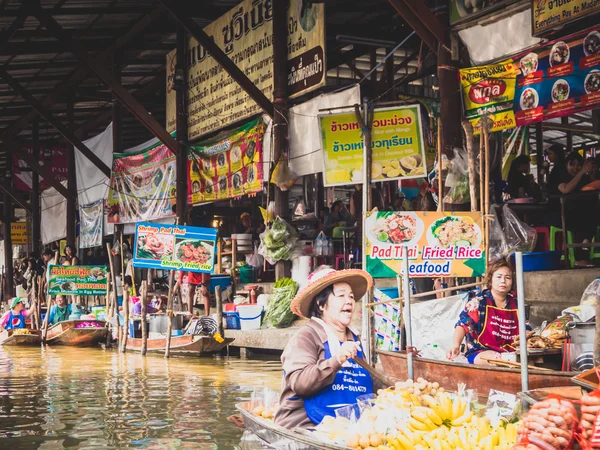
<point>174,247</point>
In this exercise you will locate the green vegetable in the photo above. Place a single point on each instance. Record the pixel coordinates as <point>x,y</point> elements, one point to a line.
<point>278,242</point>
<point>438,225</point>
<point>279,314</point>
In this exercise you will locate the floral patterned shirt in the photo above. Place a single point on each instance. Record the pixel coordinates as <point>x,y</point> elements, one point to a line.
<point>472,319</point>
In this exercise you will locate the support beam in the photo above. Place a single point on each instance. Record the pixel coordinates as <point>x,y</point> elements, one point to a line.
<point>439,29</point>
<point>35,166</point>
<point>128,100</point>
<point>71,182</point>
<point>8,253</point>
<point>46,114</point>
<point>117,110</point>
<point>36,212</point>
<point>178,10</point>
<point>416,24</point>
<point>4,187</point>
<point>134,31</point>
<point>181,75</point>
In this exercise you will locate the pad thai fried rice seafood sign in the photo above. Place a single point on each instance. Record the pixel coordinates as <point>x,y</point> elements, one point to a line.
<point>398,148</point>
<point>77,280</point>
<point>438,244</point>
<point>173,247</point>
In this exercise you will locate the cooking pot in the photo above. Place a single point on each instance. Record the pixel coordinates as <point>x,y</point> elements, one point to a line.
<point>582,332</point>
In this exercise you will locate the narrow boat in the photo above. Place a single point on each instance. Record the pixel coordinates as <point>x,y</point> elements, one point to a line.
<point>16,337</point>
<point>186,345</point>
<point>483,378</point>
<point>279,437</point>
<point>73,333</point>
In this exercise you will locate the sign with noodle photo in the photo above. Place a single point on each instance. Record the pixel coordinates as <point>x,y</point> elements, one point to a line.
<point>438,244</point>
<point>174,247</point>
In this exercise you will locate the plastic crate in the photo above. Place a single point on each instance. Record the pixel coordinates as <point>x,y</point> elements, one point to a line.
<point>539,261</point>
<point>232,319</point>
<point>224,281</point>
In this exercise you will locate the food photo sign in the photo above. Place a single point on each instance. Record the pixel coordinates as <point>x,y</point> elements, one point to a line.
<point>77,280</point>
<point>397,144</point>
<point>174,247</point>
<point>559,78</point>
<point>438,244</point>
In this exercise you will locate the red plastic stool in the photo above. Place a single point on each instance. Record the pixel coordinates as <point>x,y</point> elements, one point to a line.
<point>339,257</point>
<point>543,238</point>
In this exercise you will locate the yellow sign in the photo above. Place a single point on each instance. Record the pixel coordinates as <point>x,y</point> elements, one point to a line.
<point>18,233</point>
<point>398,149</point>
<point>547,15</point>
<point>490,90</point>
<point>245,34</point>
<point>438,244</point>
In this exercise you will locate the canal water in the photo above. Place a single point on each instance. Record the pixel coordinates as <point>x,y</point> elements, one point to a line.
<point>70,398</point>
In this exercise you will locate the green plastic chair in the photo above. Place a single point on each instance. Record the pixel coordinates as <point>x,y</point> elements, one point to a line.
<point>571,252</point>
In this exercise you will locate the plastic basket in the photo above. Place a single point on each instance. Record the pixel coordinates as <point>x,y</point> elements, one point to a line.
<point>232,319</point>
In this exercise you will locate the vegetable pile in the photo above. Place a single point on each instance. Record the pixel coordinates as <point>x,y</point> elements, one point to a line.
<point>279,314</point>
<point>277,243</point>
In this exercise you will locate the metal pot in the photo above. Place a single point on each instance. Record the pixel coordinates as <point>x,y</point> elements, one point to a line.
<point>582,344</point>
<point>159,323</point>
<point>582,332</point>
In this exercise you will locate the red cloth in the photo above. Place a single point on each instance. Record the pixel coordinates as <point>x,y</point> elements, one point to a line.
<point>194,278</point>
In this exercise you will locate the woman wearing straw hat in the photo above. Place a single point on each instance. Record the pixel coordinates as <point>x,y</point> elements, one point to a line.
<point>14,318</point>
<point>319,374</point>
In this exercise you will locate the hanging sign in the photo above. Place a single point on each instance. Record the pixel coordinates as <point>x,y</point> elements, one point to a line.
<point>77,280</point>
<point>174,247</point>
<point>439,244</point>
<point>398,147</point>
<point>245,34</point>
<point>490,90</point>
<point>228,166</point>
<point>547,15</point>
<point>91,220</point>
<point>18,233</point>
<point>464,11</point>
<point>142,185</point>
<point>53,158</point>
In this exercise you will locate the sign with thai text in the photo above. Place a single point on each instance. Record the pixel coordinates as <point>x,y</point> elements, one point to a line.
<point>77,280</point>
<point>174,247</point>
<point>438,244</point>
<point>547,15</point>
<point>18,233</point>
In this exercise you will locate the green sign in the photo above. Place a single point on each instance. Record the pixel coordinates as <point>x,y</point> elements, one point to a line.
<point>77,280</point>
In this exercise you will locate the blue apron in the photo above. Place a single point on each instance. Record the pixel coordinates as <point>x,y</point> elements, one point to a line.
<point>350,382</point>
<point>15,322</point>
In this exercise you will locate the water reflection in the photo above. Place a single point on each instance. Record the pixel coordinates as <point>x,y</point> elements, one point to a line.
<point>56,398</point>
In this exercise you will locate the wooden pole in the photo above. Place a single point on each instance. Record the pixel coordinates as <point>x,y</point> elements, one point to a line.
<point>471,158</point>
<point>33,297</point>
<point>440,151</point>
<point>144,301</point>
<point>115,302</point>
<point>125,319</point>
<point>170,314</point>
<point>35,193</point>
<point>425,294</point>
<point>481,171</point>
<point>486,134</point>
<point>219,300</point>
<point>109,305</point>
<point>49,301</point>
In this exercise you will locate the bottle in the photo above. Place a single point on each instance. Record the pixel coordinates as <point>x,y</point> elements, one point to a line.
<point>319,247</point>
<point>330,247</point>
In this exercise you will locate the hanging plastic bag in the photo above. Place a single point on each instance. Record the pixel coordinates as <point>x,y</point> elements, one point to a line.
<point>282,175</point>
<point>498,246</point>
<point>520,237</point>
<point>591,295</point>
<point>277,243</point>
<point>255,260</point>
<point>458,179</point>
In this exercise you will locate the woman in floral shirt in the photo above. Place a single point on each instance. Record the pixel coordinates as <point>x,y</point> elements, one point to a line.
<point>490,321</point>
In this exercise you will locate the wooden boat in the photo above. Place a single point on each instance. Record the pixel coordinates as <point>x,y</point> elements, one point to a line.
<point>482,378</point>
<point>66,333</point>
<point>9,337</point>
<point>186,345</point>
<point>279,437</point>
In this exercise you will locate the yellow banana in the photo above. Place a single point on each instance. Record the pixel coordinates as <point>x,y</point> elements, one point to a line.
<point>435,418</point>
<point>436,445</point>
<point>406,432</point>
<point>419,414</point>
<point>462,419</point>
<point>404,442</point>
<point>456,407</point>
<point>447,406</point>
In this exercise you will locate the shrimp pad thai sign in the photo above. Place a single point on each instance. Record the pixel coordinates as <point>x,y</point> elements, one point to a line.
<point>77,280</point>
<point>438,244</point>
<point>173,247</point>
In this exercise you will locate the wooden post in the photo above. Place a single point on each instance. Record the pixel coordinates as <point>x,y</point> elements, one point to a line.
<point>181,126</point>
<point>115,302</point>
<point>481,171</point>
<point>35,193</point>
<point>144,301</point>
<point>170,314</point>
<point>33,296</point>
<point>109,305</point>
<point>125,320</point>
<point>486,134</point>
<point>71,181</point>
<point>440,151</point>
<point>8,253</point>
<point>49,301</point>
<point>219,300</point>
<point>471,158</point>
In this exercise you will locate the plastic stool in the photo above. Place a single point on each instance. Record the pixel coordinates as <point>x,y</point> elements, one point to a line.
<point>571,252</point>
<point>543,237</point>
<point>339,257</point>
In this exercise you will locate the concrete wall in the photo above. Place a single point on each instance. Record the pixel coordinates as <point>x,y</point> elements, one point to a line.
<point>550,292</point>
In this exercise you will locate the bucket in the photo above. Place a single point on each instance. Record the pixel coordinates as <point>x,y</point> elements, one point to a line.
<point>232,320</point>
<point>246,274</point>
<point>250,316</point>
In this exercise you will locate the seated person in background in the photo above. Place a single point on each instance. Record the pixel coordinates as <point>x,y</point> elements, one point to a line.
<point>14,318</point>
<point>60,311</point>
<point>581,214</point>
<point>338,217</point>
<point>521,183</point>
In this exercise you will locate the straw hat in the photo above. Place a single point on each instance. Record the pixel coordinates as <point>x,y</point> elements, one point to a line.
<point>359,280</point>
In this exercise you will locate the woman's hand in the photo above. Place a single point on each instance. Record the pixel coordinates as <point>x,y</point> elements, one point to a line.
<point>348,350</point>
<point>588,167</point>
<point>453,353</point>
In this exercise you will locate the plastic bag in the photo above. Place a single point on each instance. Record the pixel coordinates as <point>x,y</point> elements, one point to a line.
<point>591,295</point>
<point>279,314</point>
<point>520,237</point>
<point>255,260</point>
<point>458,179</point>
<point>498,246</point>
<point>278,242</point>
<point>282,175</point>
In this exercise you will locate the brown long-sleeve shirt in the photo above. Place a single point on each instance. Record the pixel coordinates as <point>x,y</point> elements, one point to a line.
<point>306,372</point>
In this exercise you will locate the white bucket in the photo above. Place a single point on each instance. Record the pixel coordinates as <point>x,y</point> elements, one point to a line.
<point>250,316</point>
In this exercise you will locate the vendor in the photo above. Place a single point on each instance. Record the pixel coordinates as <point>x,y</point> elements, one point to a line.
<point>15,317</point>
<point>520,181</point>
<point>188,282</point>
<point>338,217</point>
<point>490,321</point>
<point>60,311</point>
<point>319,374</point>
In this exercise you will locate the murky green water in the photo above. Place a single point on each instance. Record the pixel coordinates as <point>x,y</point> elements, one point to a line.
<point>70,398</point>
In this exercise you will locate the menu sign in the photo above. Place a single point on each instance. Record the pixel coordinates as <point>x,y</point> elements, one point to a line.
<point>547,15</point>
<point>77,280</point>
<point>174,247</point>
<point>559,78</point>
<point>18,233</point>
<point>398,147</point>
<point>438,244</point>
